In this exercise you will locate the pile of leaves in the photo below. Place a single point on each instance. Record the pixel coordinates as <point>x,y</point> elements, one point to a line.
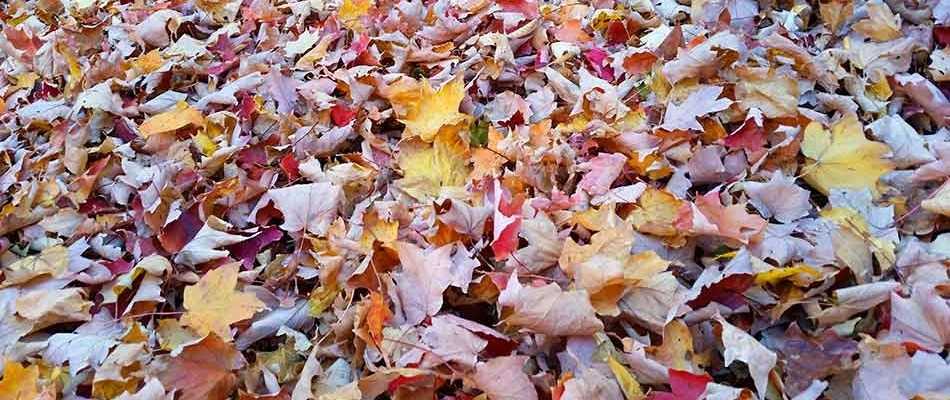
<point>474,200</point>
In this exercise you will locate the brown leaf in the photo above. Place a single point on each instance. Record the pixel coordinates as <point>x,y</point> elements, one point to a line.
<point>203,371</point>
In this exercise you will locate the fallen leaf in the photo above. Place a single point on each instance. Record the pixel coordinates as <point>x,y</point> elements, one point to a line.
<point>311,207</point>
<point>700,102</point>
<point>183,115</point>
<point>843,158</point>
<point>203,370</point>
<point>429,169</point>
<point>503,378</point>
<point>376,316</point>
<point>549,310</point>
<point>213,303</point>
<point>434,110</point>
<point>779,198</point>
<point>741,346</point>
<point>19,383</point>
<point>424,276</point>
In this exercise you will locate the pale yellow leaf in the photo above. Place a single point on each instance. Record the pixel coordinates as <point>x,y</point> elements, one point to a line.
<point>213,303</point>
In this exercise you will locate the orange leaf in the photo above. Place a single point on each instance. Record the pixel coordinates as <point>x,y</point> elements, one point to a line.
<point>18,383</point>
<point>169,121</point>
<point>377,316</point>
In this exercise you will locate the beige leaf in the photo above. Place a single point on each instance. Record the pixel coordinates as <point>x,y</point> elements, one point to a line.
<point>503,378</point>
<point>51,307</point>
<point>52,262</point>
<point>549,310</point>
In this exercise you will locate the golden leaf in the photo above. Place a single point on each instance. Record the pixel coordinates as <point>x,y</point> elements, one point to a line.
<point>435,109</point>
<point>169,121</point>
<point>19,383</point>
<point>213,304</point>
<point>843,158</point>
<point>631,388</point>
<point>351,11</point>
<point>427,168</point>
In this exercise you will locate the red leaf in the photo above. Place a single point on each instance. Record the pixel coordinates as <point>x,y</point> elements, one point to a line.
<point>750,136</point>
<point>685,386</point>
<point>342,115</point>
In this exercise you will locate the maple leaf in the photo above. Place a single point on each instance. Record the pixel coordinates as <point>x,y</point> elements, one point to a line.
<point>733,222</point>
<point>549,310</point>
<point>503,378</point>
<point>19,383</point>
<point>311,207</point>
<point>429,169</point>
<point>779,198</point>
<point>700,102</point>
<point>774,93</point>
<point>425,275</point>
<point>434,110</point>
<point>843,158</point>
<point>213,304</point>
<point>685,386</point>
<point>203,247</point>
<point>181,116</point>
<point>741,346</point>
<point>939,202</point>
<point>204,370</point>
<point>52,261</point>
<point>602,171</point>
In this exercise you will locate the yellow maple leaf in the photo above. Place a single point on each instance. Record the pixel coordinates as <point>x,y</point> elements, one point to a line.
<point>427,168</point>
<point>148,62</point>
<point>19,383</point>
<point>74,79</point>
<point>213,304</point>
<point>656,213</point>
<point>435,109</point>
<point>351,11</point>
<point>843,158</point>
<point>855,229</point>
<point>169,121</point>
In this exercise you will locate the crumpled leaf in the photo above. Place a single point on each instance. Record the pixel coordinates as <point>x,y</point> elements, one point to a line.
<point>203,370</point>
<point>204,246</point>
<point>549,310</point>
<point>699,103</point>
<point>503,378</point>
<point>741,346</point>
